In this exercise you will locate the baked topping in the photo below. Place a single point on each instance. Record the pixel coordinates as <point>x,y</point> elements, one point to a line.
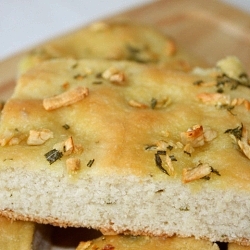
<point>114,75</point>
<point>202,170</point>
<point>68,146</point>
<point>39,137</point>
<point>67,98</point>
<point>73,165</point>
<point>137,104</point>
<point>11,138</point>
<point>83,245</point>
<point>53,155</point>
<point>216,99</point>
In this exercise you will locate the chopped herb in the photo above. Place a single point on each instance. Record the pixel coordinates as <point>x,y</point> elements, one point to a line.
<point>2,103</point>
<point>8,159</point>
<point>198,82</point>
<point>172,157</point>
<point>97,82</point>
<point>220,90</point>
<point>135,54</point>
<point>170,147</point>
<point>74,65</point>
<point>161,152</point>
<point>215,171</point>
<point>150,147</point>
<point>184,208</point>
<point>222,80</point>
<point>189,154</point>
<point>98,75</point>
<point>207,178</point>
<point>158,163</point>
<point>153,103</point>
<point>66,126</point>
<point>90,163</point>
<point>79,77</point>
<point>53,155</point>
<point>237,132</point>
<point>160,191</point>
<point>229,108</point>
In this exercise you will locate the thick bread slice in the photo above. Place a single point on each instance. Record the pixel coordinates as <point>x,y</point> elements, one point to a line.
<point>117,40</point>
<point>121,155</point>
<point>20,235</point>
<point>144,242</point>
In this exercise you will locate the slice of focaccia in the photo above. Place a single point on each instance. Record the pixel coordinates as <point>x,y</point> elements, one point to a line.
<point>129,148</point>
<point>16,235</point>
<point>117,40</point>
<point>144,242</point>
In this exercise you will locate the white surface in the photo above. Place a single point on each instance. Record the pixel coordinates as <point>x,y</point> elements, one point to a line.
<point>24,23</point>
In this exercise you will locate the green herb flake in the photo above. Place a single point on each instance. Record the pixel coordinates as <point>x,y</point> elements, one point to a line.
<point>97,82</point>
<point>66,126</point>
<point>153,103</point>
<point>215,171</point>
<point>90,163</point>
<point>79,77</point>
<point>237,132</point>
<point>158,163</point>
<point>186,152</point>
<point>53,155</point>
<point>172,157</point>
<point>74,66</point>
<point>198,82</point>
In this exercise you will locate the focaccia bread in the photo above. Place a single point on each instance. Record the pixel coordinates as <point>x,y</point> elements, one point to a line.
<point>121,242</point>
<point>130,148</point>
<point>19,235</point>
<point>115,40</point>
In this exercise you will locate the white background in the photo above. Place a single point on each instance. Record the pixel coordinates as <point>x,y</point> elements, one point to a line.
<point>24,23</point>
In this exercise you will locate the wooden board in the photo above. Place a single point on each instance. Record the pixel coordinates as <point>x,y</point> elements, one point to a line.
<point>209,30</point>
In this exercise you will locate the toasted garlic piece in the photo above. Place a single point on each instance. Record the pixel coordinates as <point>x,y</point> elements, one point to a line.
<point>193,136</point>
<point>214,98</point>
<point>114,75</point>
<point>16,139</point>
<point>6,137</point>
<point>68,147</point>
<point>188,148</point>
<point>136,104</point>
<point>191,174</point>
<point>73,165</point>
<point>209,134</point>
<point>67,98</point>
<point>244,143</point>
<point>83,245</point>
<point>38,137</point>
<point>169,165</point>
